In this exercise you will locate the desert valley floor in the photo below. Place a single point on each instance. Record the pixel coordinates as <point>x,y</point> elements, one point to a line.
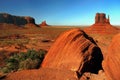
<point>15,40</point>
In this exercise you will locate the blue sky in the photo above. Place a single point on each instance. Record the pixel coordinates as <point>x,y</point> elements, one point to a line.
<point>63,12</point>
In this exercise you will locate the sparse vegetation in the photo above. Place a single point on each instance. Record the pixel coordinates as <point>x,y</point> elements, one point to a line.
<point>24,60</point>
<point>47,33</point>
<point>30,38</point>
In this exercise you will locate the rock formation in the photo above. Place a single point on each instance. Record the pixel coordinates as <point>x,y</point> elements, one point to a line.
<point>100,18</point>
<point>102,25</point>
<point>111,64</point>
<point>43,24</point>
<point>17,20</point>
<point>30,20</point>
<point>74,50</point>
<point>91,76</point>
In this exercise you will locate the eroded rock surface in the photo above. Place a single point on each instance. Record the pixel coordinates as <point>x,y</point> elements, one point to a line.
<point>91,76</point>
<point>111,64</point>
<point>74,50</point>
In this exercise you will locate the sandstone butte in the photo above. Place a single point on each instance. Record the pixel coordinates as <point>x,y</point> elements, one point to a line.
<point>111,64</point>
<point>43,24</point>
<point>102,25</point>
<point>74,50</point>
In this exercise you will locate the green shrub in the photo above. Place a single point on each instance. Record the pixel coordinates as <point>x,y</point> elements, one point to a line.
<point>20,61</point>
<point>5,70</point>
<point>29,64</point>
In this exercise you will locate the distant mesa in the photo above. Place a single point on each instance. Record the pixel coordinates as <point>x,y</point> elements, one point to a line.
<point>74,50</point>
<point>17,20</point>
<point>43,24</point>
<point>102,25</point>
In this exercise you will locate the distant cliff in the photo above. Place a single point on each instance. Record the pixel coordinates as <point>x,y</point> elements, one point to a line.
<point>43,24</point>
<point>17,20</point>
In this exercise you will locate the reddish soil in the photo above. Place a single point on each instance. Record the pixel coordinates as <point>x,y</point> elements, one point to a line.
<point>42,74</point>
<point>101,29</point>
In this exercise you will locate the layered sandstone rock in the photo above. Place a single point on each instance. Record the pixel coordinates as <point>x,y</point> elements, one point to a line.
<point>102,25</point>
<point>111,63</point>
<point>17,20</point>
<point>74,50</point>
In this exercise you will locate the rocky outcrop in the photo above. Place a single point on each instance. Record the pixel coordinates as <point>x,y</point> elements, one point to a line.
<point>91,76</point>
<point>17,20</point>
<point>43,24</point>
<point>111,64</point>
<point>102,25</point>
<point>74,50</point>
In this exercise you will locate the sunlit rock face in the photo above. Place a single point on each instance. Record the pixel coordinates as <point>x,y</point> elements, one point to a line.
<point>74,50</point>
<point>111,64</point>
<point>17,20</point>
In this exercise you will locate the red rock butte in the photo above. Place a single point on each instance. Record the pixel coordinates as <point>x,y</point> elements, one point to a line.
<point>100,19</point>
<point>43,24</point>
<point>102,25</point>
